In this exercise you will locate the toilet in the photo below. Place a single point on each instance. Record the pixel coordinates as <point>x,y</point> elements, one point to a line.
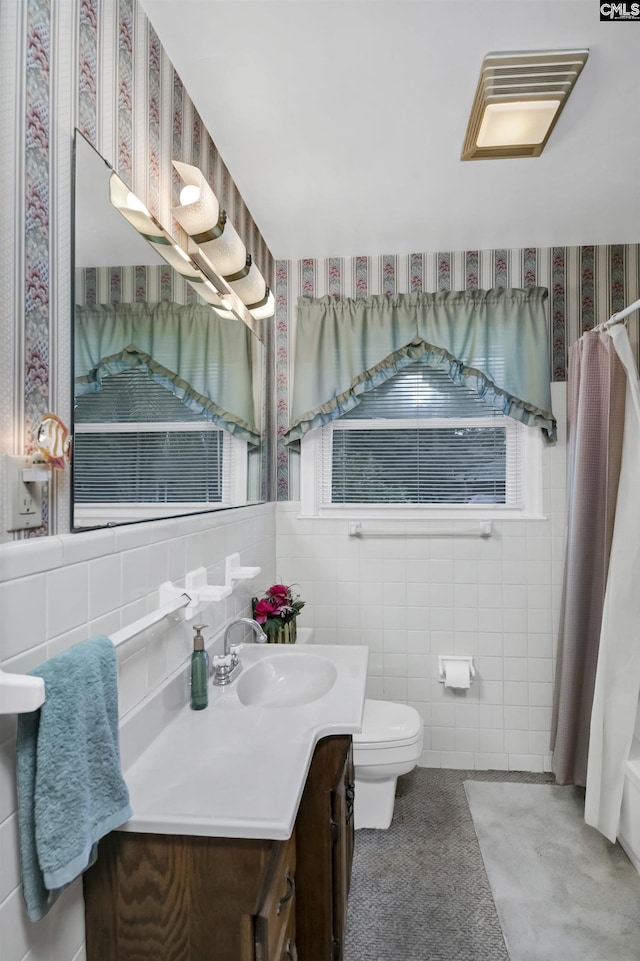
<point>389,745</point>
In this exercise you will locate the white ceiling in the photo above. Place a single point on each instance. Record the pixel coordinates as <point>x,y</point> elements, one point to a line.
<point>342,121</point>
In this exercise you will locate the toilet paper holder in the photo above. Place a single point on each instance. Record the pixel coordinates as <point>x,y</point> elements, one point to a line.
<point>444,659</point>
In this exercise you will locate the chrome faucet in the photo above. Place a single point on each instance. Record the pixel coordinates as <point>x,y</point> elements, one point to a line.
<point>227,666</point>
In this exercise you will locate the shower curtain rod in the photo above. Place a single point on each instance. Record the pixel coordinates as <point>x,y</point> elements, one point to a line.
<point>619,317</point>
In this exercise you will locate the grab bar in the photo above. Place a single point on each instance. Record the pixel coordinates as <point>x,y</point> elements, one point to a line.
<point>484,529</point>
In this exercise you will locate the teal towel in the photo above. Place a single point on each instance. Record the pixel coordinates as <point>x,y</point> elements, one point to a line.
<point>70,788</point>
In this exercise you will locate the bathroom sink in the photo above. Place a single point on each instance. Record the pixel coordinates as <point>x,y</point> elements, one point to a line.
<point>286,680</point>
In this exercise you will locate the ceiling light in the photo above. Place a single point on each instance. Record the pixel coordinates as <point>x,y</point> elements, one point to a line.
<point>518,123</point>
<point>518,101</point>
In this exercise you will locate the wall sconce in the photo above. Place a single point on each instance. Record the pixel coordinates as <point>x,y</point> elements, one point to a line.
<point>518,101</point>
<point>214,240</point>
<point>196,269</point>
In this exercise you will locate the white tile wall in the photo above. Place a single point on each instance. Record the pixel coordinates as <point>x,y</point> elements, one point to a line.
<point>58,591</point>
<point>407,599</point>
<point>411,599</point>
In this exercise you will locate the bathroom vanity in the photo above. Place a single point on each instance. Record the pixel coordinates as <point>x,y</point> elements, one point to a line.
<point>247,858</point>
<point>163,897</point>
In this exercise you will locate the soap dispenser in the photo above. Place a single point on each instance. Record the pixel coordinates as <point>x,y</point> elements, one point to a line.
<point>199,671</point>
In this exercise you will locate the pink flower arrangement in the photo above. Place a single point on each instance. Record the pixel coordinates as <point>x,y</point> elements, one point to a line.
<point>277,606</point>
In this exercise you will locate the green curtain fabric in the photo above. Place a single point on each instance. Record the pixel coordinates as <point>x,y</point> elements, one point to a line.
<point>493,341</point>
<point>204,359</point>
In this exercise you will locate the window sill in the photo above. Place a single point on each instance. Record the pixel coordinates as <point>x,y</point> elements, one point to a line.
<point>470,515</point>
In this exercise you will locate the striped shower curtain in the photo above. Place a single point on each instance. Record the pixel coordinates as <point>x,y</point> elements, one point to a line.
<point>596,410</point>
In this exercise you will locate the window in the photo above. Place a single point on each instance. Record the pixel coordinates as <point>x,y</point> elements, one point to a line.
<point>420,443</point>
<point>137,446</point>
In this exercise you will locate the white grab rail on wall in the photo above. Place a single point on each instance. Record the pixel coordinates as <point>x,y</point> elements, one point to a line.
<point>20,693</point>
<point>483,529</point>
<point>181,599</point>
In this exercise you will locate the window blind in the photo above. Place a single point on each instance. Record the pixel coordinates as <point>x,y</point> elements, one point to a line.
<point>421,439</point>
<point>132,397</point>
<point>134,442</point>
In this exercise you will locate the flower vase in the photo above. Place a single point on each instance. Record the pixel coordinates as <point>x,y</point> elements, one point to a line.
<point>285,634</point>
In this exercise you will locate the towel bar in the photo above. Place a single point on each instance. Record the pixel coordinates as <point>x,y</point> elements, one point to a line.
<point>483,529</point>
<point>20,693</point>
<point>126,633</point>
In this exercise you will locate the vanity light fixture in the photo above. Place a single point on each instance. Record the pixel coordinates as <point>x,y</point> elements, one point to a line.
<point>199,214</point>
<point>518,100</point>
<point>196,270</point>
<point>133,210</point>
<point>213,238</point>
<point>266,308</point>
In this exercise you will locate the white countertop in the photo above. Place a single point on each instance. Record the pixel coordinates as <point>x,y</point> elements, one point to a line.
<point>237,771</point>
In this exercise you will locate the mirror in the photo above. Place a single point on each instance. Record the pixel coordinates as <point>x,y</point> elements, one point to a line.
<point>168,395</point>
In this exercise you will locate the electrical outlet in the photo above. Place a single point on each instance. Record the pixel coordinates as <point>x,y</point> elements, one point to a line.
<point>24,499</point>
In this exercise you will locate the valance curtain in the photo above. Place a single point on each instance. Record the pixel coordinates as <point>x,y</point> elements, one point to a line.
<point>202,358</point>
<point>495,342</point>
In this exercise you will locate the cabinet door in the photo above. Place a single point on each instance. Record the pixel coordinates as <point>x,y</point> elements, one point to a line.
<point>342,854</point>
<point>178,898</point>
<point>275,920</point>
<point>324,838</point>
<point>289,951</point>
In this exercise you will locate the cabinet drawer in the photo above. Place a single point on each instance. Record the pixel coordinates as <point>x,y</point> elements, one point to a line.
<point>275,921</point>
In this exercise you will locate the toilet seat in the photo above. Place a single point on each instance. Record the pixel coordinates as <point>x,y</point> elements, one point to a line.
<point>386,724</point>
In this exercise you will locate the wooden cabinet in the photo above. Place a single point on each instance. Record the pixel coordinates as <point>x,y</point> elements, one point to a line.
<point>160,897</point>
<point>325,835</point>
<point>274,927</point>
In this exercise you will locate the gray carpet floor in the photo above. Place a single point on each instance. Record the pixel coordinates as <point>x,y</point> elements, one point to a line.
<point>419,891</point>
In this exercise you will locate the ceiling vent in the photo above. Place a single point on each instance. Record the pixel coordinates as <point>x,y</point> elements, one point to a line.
<point>518,101</point>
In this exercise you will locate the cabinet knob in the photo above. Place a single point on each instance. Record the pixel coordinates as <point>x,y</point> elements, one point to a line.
<point>291,890</point>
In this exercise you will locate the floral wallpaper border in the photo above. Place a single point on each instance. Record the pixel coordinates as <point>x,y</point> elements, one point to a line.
<point>125,96</point>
